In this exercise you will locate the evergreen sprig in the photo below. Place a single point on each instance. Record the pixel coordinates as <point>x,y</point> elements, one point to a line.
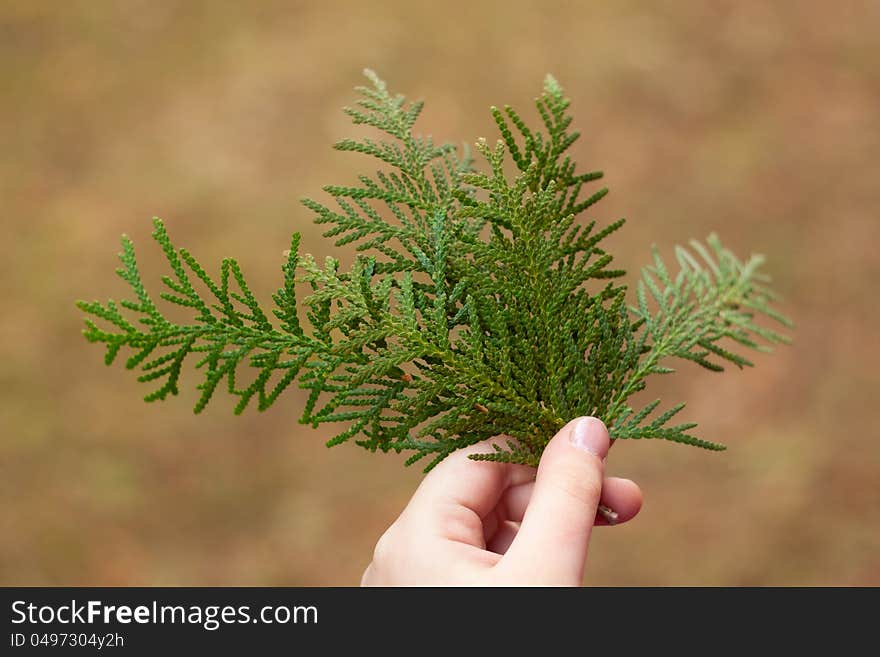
<point>477,306</point>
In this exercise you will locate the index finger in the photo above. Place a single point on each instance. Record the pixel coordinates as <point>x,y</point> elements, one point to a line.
<point>474,485</point>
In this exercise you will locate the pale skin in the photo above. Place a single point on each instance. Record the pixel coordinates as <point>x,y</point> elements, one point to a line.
<point>481,523</point>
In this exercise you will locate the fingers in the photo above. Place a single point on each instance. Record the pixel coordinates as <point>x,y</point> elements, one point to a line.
<point>515,501</point>
<point>551,545</point>
<point>459,481</point>
<point>623,496</point>
<point>503,537</point>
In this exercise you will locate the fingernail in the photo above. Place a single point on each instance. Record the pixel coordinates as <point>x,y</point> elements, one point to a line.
<point>591,435</point>
<point>609,514</point>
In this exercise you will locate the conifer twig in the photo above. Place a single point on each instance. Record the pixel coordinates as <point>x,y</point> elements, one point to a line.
<point>478,304</point>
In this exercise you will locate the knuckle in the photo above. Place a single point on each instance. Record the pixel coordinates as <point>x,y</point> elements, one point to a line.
<point>458,522</point>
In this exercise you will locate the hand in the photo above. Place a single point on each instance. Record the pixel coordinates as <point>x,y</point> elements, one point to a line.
<point>486,524</point>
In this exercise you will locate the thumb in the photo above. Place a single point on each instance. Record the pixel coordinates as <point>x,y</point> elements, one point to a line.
<point>551,545</point>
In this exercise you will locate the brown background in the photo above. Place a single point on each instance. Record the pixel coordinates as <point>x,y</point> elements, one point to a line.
<point>759,120</point>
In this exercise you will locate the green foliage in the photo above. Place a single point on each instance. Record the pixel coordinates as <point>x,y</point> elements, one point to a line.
<point>477,305</point>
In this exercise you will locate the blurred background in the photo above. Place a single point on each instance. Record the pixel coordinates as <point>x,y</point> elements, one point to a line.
<point>758,120</point>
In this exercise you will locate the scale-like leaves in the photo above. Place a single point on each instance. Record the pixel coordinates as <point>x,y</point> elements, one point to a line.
<point>479,305</point>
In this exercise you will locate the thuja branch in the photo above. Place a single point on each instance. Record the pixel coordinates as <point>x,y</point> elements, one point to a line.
<point>479,305</point>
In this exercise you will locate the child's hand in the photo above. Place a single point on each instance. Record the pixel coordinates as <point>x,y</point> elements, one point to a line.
<point>484,523</point>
